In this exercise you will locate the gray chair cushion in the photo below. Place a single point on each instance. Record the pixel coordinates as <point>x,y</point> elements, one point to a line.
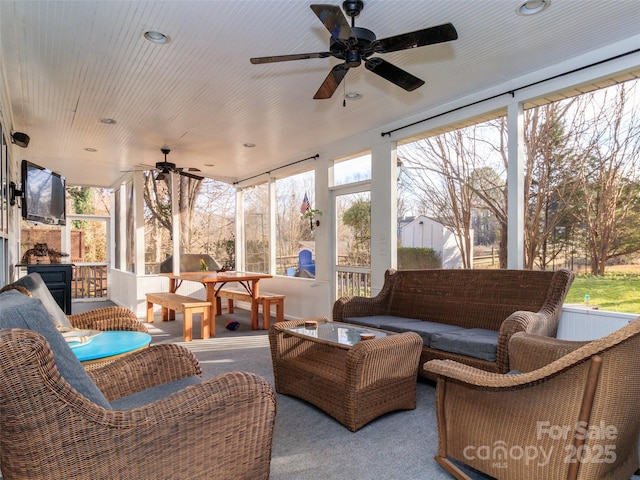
<point>473,342</point>
<point>19,311</point>
<point>423,328</point>
<point>34,283</point>
<point>149,395</point>
<point>374,321</point>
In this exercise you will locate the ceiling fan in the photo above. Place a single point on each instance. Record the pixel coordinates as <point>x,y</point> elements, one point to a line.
<point>166,167</point>
<point>354,45</point>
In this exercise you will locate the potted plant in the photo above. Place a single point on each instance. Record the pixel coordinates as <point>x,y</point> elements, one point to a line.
<point>310,214</point>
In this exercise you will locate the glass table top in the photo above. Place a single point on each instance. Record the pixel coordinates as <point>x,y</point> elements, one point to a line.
<point>335,332</point>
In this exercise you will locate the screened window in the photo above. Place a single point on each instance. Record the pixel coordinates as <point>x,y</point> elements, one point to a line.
<point>294,223</point>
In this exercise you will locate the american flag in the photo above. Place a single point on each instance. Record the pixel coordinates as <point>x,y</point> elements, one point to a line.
<point>306,205</point>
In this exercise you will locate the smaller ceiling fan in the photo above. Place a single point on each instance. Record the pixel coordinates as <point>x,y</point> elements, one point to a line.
<point>166,167</point>
<point>355,45</point>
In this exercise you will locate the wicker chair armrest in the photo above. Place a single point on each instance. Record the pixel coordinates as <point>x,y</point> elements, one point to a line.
<point>108,318</point>
<point>144,369</point>
<point>482,379</point>
<point>346,307</point>
<point>520,321</point>
<point>528,352</point>
<point>367,361</point>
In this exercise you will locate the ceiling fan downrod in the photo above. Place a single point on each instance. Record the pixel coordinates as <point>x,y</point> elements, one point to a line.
<point>352,8</point>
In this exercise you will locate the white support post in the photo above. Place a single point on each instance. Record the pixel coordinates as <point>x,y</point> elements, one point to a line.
<point>240,261</point>
<point>272,226</point>
<point>138,244</point>
<point>175,223</point>
<point>384,182</point>
<point>515,186</point>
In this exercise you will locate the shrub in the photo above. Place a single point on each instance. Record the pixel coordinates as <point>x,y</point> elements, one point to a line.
<point>418,258</point>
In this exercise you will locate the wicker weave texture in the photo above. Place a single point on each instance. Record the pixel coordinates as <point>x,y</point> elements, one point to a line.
<point>219,429</point>
<point>108,318</point>
<point>353,385</point>
<point>507,301</point>
<point>507,414</point>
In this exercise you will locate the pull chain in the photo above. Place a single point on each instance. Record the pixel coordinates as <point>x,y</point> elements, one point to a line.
<point>344,94</point>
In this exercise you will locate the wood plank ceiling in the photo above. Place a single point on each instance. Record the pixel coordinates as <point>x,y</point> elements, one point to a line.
<point>66,64</point>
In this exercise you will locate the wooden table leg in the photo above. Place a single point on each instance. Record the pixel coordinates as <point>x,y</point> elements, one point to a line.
<point>149,312</point>
<point>210,289</point>
<point>254,305</point>
<point>168,314</point>
<point>206,323</point>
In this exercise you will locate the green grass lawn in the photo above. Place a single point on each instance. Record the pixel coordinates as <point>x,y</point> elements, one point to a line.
<point>616,292</point>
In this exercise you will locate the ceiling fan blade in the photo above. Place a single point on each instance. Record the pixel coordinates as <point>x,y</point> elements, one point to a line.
<point>193,169</point>
<point>419,38</point>
<point>190,175</point>
<point>332,18</point>
<point>286,58</point>
<point>396,75</point>
<point>332,81</point>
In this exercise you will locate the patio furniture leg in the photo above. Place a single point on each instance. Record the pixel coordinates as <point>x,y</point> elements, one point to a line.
<point>187,330</point>
<point>149,312</point>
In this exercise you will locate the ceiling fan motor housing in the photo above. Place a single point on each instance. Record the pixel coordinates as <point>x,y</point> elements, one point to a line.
<point>353,7</point>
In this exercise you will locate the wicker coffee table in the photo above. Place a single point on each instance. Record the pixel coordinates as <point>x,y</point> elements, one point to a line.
<point>352,380</point>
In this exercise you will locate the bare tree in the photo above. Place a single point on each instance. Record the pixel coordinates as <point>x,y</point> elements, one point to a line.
<point>437,171</point>
<point>157,199</point>
<point>609,175</point>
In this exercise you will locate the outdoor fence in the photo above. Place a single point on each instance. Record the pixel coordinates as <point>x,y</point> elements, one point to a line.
<point>89,280</point>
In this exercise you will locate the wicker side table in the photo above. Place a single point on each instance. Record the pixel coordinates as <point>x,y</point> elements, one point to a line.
<point>352,380</point>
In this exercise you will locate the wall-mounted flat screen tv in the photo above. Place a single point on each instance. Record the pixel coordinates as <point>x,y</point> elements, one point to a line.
<point>43,198</point>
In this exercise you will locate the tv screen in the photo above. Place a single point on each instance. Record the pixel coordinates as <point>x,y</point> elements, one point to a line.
<point>43,195</point>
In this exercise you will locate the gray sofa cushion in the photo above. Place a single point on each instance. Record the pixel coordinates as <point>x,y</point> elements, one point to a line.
<point>149,395</point>
<point>423,328</point>
<point>374,321</point>
<point>34,283</point>
<point>19,311</point>
<point>473,342</point>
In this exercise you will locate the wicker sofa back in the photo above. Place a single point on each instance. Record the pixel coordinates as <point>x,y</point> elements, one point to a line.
<point>488,305</point>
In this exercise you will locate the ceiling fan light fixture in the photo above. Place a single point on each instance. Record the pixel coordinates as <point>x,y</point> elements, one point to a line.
<point>531,7</point>
<point>154,36</point>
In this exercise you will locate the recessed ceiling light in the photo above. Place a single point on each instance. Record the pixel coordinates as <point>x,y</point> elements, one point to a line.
<point>155,36</point>
<point>89,149</point>
<point>531,7</point>
<point>353,96</point>
<point>209,164</point>
<point>108,121</point>
<point>249,145</point>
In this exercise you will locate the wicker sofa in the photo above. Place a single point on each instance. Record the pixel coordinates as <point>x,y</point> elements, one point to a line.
<point>463,315</point>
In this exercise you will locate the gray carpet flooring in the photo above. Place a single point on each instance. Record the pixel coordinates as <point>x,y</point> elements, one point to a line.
<point>307,443</point>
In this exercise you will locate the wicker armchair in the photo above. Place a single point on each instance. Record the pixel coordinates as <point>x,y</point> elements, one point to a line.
<point>106,318</point>
<point>577,417</point>
<point>146,415</point>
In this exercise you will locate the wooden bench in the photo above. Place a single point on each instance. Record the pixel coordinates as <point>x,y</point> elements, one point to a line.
<point>264,299</point>
<point>188,306</point>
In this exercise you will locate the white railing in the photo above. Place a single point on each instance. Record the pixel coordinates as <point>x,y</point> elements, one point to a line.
<point>353,282</point>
